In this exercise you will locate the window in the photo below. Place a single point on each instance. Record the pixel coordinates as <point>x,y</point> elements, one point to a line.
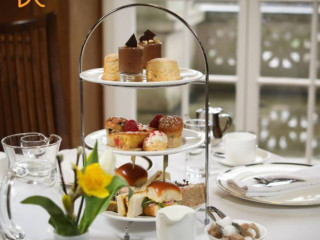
<point>263,67</point>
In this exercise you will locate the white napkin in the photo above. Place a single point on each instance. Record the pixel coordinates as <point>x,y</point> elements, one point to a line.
<point>251,188</point>
<point>3,165</point>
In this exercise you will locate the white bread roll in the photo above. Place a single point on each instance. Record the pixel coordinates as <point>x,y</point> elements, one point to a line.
<point>161,192</point>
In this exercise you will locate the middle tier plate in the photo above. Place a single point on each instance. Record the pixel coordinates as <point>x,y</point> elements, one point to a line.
<point>190,140</point>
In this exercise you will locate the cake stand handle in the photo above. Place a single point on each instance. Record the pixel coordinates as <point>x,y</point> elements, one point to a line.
<point>126,232</point>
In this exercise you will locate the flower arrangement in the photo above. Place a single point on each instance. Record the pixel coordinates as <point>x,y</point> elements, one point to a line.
<point>95,184</point>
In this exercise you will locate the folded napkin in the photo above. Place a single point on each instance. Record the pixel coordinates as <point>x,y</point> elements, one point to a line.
<point>251,188</point>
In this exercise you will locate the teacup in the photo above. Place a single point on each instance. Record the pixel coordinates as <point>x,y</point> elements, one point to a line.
<point>240,147</point>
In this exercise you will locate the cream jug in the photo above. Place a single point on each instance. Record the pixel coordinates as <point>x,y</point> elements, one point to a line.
<point>176,222</point>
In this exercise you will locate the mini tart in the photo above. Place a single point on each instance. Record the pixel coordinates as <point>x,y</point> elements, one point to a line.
<point>117,138</point>
<point>156,141</point>
<point>127,140</point>
<point>114,125</point>
<point>172,126</point>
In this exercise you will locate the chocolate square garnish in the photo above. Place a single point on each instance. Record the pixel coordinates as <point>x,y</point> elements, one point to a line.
<point>148,35</point>
<point>132,42</point>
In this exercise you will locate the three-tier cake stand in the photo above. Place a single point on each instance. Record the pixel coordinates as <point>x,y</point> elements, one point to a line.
<point>188,76</point>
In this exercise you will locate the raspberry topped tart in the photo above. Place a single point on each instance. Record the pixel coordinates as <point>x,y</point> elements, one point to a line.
<point>126,134</point>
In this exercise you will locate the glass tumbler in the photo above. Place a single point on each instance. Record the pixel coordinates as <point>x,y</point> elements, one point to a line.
<point>195,158</point>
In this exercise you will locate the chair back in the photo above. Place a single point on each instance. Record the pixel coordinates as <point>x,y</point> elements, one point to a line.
<point>31,96</point>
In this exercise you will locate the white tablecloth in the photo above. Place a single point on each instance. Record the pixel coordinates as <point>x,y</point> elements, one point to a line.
<point>282,223</point>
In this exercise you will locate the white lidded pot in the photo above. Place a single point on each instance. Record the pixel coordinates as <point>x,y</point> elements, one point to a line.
<point>176,222</point>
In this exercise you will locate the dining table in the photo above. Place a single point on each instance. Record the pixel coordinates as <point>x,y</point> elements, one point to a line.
<point>281,222</point>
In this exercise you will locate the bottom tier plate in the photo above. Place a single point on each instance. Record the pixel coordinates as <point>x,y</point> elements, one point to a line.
<point>115,216</point>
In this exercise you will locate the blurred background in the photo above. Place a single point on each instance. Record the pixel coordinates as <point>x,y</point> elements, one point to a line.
<point>263,64</point>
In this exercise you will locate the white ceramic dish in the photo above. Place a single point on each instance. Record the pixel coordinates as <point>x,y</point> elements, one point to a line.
<point>190,139</point>
<point>261,156</point>
<point>262,229</point>
<point>187,76</point>
<point>115,216</point>
<point>305,197</point>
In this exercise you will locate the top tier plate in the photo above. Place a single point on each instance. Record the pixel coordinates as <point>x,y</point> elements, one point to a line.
<point>187,76</point>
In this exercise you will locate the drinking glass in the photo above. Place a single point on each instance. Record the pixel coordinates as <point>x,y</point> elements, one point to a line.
<point>195,158</point>
<point>33,143</point>
<point>32,171</point>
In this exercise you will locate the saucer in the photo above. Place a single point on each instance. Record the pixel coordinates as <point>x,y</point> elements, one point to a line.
<point>218,154</point>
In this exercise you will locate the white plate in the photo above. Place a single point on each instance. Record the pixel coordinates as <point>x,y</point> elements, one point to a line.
<point>305,197</point>
<point>187,76</point>
<point>70,157</point>
<point>115,216</point>
<point>262,229</point>
<point>261,156</point>
<point>190,139</point>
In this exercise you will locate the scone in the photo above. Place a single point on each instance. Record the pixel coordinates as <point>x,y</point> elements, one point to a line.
<point>156,141</point>
<point>111,67</point>
<point>162,69</point>
<point>172,126</point>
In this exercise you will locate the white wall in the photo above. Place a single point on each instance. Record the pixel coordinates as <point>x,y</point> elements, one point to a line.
<point>117,29</point>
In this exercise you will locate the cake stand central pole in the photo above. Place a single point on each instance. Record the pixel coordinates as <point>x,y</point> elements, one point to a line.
<point>164,167</point>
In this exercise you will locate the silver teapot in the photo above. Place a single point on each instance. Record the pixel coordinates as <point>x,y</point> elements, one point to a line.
<point>215,114</point>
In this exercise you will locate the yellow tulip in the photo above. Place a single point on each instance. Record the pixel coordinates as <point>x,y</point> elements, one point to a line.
<point>94,181</point>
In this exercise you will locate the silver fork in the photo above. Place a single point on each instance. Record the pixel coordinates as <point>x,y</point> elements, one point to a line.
<point>268,180</point>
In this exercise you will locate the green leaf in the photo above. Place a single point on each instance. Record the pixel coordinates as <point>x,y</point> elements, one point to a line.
<point>94,205</point>
<point>63,225</point>
<point>93,157</point>
<point>131,192</point>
